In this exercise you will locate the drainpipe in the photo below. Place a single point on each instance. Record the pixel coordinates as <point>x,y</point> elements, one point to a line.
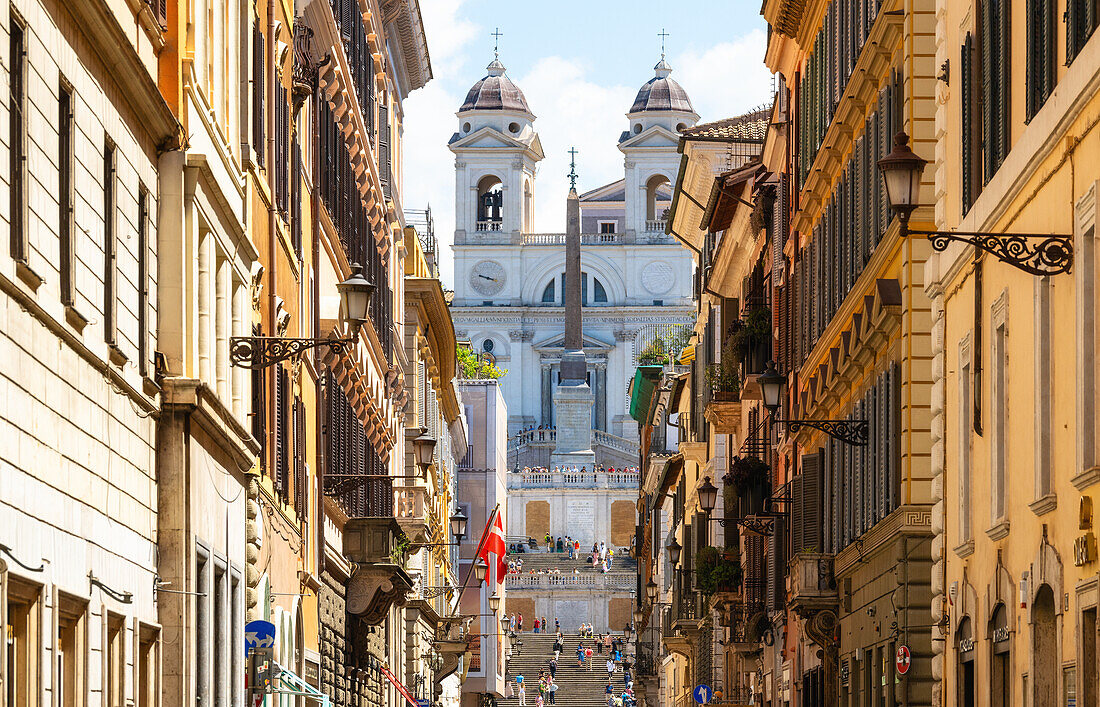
<point>272,242</point>
<point>315,250</point>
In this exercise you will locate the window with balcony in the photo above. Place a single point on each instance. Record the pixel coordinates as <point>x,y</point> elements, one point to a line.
<point>356,476</point>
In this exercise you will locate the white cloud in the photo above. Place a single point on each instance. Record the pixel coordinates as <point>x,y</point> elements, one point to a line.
<point>573,109</point>
<point>726,79</point>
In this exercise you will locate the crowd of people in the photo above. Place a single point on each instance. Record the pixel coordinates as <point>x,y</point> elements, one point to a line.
<point>599,645</point>
<point>599,469</point>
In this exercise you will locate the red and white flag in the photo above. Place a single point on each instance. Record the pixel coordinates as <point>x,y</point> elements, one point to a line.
<point>493,542</point>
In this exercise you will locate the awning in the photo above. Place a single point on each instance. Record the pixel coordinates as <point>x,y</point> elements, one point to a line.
<point>671,475</point>
<point>677,390</point>
<point>641,390</point>
<point>399,687</point>
<point>298,686</point>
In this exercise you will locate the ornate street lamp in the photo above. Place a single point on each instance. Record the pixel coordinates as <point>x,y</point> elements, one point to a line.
<point>505,622</point>
<point>458,525</point>
<point>480,570</point>
<point>674,549</point>
<point>901,172</point>
<point>257,352</point>
<point>639,615</point>
<point>494,603</point>
<point>772,383</point>
<point>651,590</point>
<point>708,495</point>
<point>424,447</point>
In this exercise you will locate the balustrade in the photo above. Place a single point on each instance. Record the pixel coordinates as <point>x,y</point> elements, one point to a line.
<point>655,225</point>
<point>489,225</point>
<point>609,582</point>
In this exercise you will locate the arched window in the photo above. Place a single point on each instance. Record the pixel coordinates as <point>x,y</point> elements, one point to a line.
<point>548,293</point>
<point>1000,677</point>
<point>490,204</point>
<point>599,294</point>
<point>658,196</point>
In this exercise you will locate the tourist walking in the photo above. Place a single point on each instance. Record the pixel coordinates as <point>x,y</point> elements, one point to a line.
<point>610,670</point>
<point>599,644</point>
<point>580,655</point>
<point>588,658</point>
<point>519,622</point>
<point>522,695</point>
<point>553,667</point>
<point>536,625</point>
<point>551,688</point>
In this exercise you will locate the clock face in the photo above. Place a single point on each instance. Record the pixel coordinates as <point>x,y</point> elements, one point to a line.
<point>658,277</point>
<point>487,277</point>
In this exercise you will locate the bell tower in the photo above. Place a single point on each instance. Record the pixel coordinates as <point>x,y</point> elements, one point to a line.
<point>496,150</point>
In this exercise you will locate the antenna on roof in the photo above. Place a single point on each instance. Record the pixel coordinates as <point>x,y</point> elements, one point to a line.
<point>662,34</point>
<point>572,168</point>
<point>496,43</point>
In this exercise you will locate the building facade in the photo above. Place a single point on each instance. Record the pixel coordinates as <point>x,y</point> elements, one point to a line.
<point>84,129</point>
<point>482,487</point>
<point>635,280</point>
<point>1014,581</point>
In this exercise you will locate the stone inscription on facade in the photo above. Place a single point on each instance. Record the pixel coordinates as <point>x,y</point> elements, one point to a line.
<point>571,613</point>
<point>580,516</point>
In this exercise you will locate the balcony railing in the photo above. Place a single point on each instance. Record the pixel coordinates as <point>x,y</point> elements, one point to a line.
<point>544,478</point>
<point>489,225</point>
<point>622,582</point>
<point>655,225</point>
<point>559,238</point>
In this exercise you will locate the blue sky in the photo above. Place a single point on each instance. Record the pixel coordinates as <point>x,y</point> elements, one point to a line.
<point>579,65</point>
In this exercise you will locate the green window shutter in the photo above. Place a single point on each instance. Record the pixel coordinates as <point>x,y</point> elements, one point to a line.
<point>966,132</point>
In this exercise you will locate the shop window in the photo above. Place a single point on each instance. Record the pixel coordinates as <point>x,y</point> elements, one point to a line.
<point>1044,646</point>
<point>72,651</point>
<point>964,652</point>
<point>147,692</point>
<point>1000,676</point>
<point>23,633</point>
<point>1089,679</point>
<point>114,678</point>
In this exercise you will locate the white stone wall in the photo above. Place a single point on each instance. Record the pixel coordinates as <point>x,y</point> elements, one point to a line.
<point>77,437</point>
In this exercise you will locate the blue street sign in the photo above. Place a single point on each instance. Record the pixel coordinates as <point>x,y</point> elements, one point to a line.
<point>258,633</point>
<point>703,693</point>
<point>423,702</point>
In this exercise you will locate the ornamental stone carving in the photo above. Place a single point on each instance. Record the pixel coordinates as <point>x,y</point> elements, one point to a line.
<point>625,335</point>
<point>658,277</point>
<point>520,335</point>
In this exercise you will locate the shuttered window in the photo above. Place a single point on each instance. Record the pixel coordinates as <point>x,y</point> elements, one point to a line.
<point>296,197</point>
<point>299,458</point>
<point>160,10</point>
<point>282,433</point>
<point>356,477</point>
<point>110,246</point>
<point>385,171</point>
<point>969,134</point>
<point>808,505</point>
<point>259,86</point>
<point>281,173</point>
<point>1040,54</point>
<point>258,412</point>
<point>995,45</point>
<point>775,591</point>
<point>143,279</point>
<point>17,145</point>
<point>65,190</point>
<point>1080,16</point>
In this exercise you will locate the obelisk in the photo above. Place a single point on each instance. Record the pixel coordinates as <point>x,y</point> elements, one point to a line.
<point>573,398</point>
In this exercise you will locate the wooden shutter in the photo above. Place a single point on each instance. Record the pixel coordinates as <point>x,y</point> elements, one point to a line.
<point>258,413</point>
<point>811,501</point>
<point>259,67</point>
<point>775,594</point>
<point>966,131</point>
<point>160,10</point>
<point>1080,20</point>
<point>797,523</point>
<point>384,148</point>
<point>282,436</point>
<point>296,197</point>
<point>299,458</point>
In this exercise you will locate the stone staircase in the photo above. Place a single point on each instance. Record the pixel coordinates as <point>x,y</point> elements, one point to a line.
<point>577,687</point>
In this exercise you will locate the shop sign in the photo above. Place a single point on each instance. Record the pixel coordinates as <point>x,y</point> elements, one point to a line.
<point>1000,634</point>
<point>966,644</point>
<point>845,671</point>
<point>1084,549</point>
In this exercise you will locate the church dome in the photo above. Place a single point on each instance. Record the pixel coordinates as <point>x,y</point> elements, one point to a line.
<point>662,93</point>
<point>495,92</point>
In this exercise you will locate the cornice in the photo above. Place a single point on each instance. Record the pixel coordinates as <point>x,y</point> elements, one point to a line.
<point>855,104</point>
<point>904,521</point>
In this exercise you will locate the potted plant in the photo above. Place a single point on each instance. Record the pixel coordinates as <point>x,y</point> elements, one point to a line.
<point>751,334</point>
<point>751,478</point>
<point>653,354</point>
<point>723,381</point>
<point>717,571</point>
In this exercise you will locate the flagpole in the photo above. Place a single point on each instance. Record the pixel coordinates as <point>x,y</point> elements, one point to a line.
<point>477,553</point>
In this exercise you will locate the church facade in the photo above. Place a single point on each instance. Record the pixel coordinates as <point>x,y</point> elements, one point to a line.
<point>636,281</point>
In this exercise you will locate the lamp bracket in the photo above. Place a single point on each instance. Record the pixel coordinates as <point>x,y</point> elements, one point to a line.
<point>258,352</point>
<point>853,432</point>
<point>120,597</point>
<point>1036,253</point>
